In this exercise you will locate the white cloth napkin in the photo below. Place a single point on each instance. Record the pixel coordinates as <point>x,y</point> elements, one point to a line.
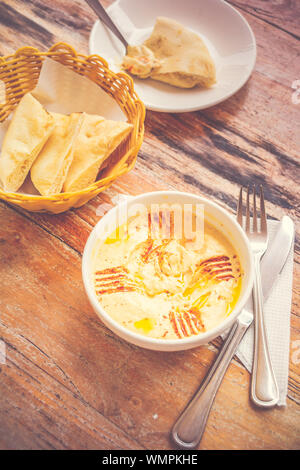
<point>277,310</point>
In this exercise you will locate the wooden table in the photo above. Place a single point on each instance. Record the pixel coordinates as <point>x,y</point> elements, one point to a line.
<point>69,382</point>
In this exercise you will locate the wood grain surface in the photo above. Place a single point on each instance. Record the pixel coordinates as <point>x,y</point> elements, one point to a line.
<point>68,381</point>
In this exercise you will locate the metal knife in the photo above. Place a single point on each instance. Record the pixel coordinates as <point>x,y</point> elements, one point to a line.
<point>188,429</point>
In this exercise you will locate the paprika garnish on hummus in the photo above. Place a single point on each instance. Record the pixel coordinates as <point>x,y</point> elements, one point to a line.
<point>166,288</point>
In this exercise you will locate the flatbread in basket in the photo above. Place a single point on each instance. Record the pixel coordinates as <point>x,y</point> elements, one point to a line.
<point>28,131</point>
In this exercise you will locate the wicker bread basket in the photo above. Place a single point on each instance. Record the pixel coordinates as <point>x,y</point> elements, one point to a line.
<point>20,72</point>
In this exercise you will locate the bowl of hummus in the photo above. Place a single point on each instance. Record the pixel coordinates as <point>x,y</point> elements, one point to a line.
<point>167,270</point>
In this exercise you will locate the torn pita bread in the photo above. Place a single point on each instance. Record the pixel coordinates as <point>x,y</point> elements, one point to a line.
<point>50,169</point>
<point>27,133</point>
<point>185,59</point>
<point>96,140</point>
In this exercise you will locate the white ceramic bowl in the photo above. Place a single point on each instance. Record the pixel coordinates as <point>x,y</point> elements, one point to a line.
<point>216,215</point>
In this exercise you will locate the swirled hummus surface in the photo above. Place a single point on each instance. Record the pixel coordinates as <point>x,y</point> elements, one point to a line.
<point>166,287</point>
<point>172,54</point>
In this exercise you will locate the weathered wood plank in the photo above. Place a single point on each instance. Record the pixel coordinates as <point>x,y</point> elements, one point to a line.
<point>283,15</point>
<point>43,413</point>
<point>36,320</point>
<point>50,324</point>
<point>35,23</point>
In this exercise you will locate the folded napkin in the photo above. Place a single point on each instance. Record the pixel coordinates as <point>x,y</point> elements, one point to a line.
<point>277,310</point>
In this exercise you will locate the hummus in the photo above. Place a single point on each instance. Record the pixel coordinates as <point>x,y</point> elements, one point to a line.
<point>172,54</point>
<point>140,61</point>
<point>166,287</point>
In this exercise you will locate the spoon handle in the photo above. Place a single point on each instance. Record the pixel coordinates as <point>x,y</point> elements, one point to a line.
<point>189,428</point>
<point>105,18</point>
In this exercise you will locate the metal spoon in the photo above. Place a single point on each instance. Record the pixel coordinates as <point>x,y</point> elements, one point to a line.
<point>104,17</point>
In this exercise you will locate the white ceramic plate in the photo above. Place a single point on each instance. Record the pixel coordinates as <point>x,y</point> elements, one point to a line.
<point>224,30</point>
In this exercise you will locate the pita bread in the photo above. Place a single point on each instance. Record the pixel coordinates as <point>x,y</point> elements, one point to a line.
<point>28,131</point>
<point>184,58</point>
<point>49,170</point>
<point>96,140</point>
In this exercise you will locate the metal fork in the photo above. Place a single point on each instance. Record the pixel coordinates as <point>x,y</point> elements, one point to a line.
<point>264,389</point>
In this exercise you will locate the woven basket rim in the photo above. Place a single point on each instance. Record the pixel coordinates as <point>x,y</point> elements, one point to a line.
<point>94,186</point>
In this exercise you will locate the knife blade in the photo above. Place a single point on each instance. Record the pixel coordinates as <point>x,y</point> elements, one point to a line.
<point>188,429</point>
<point>275,258</point>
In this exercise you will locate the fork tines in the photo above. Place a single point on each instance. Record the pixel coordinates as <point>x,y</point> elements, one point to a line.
<point>255,217</point>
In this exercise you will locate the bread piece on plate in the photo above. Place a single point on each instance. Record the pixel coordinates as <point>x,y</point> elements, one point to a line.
<point>49,170</point>
<point>96,140</point>
<point>28,131</point>
<point>185,59</point>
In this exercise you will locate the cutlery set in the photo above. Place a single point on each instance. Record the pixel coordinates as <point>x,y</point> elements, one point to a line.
<point>269,262</point>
